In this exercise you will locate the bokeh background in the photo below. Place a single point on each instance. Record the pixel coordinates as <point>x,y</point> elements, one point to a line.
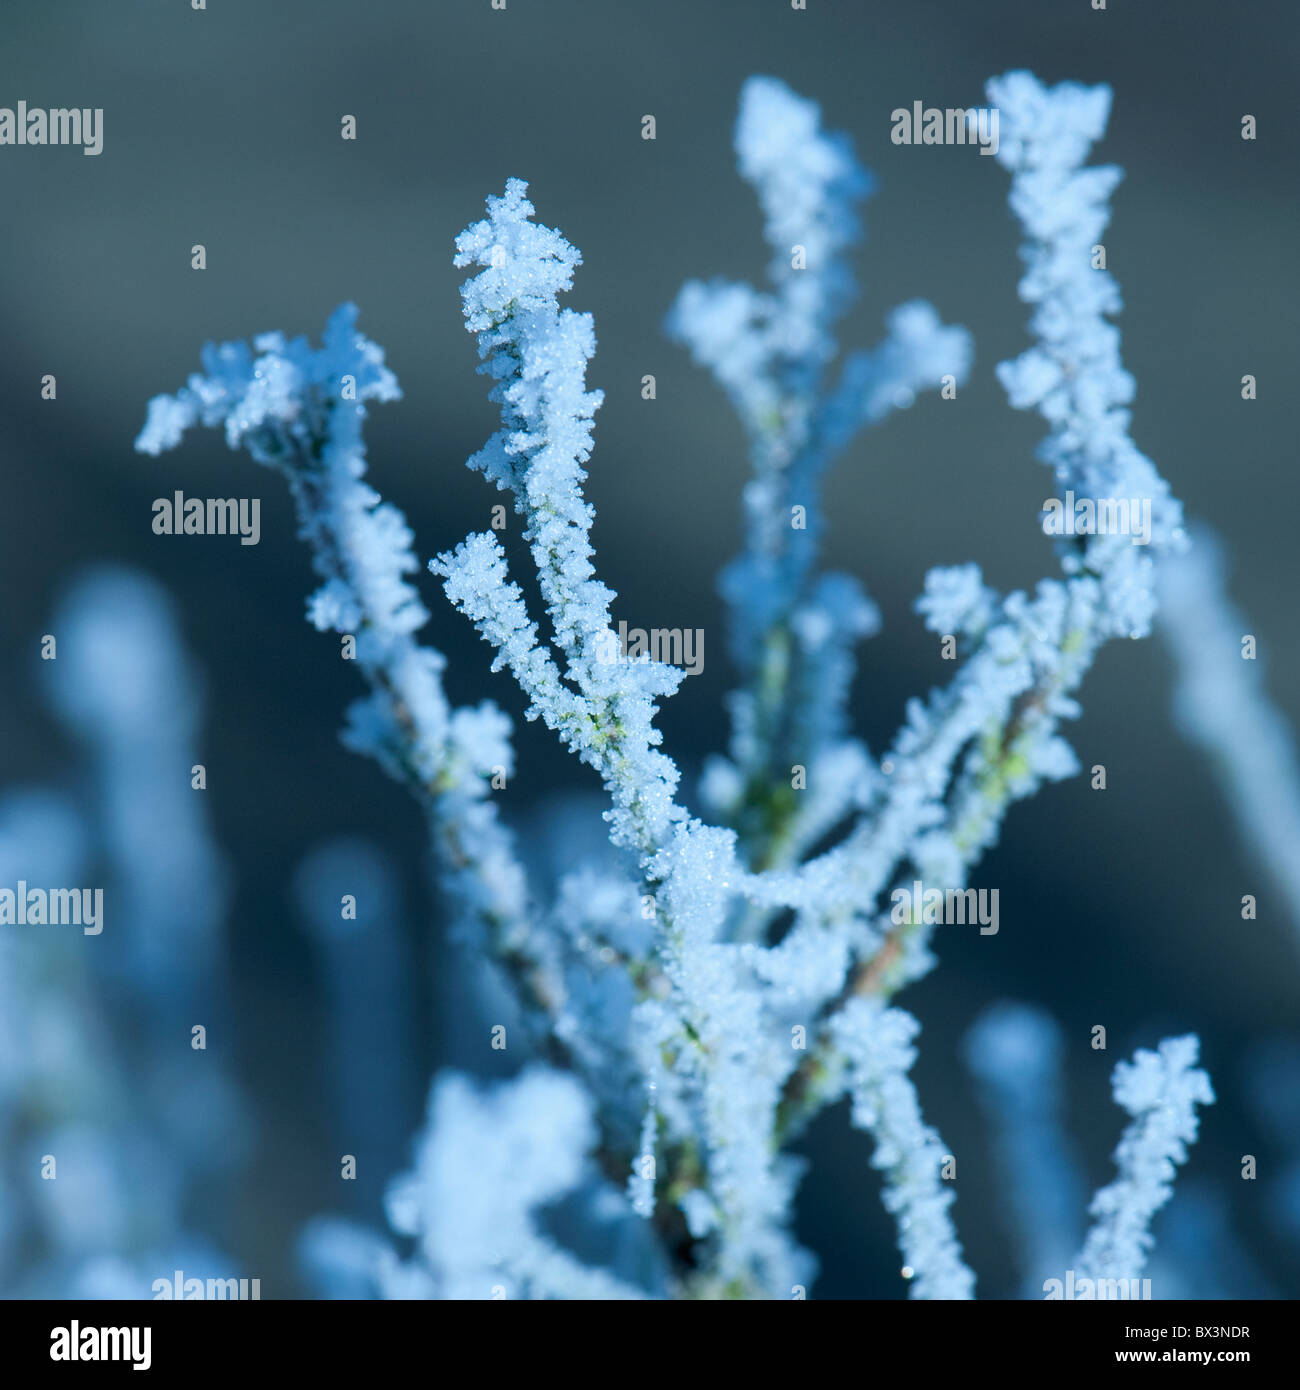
<point>221,127</point>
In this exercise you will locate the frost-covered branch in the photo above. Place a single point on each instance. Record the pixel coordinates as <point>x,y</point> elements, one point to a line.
<point>1221,705</point>
<point>991,738</point>
<point>601,704</point>
<point>300,410</point>
<point>1004,708</point>
<point>718,1072</point>
<point>1161,1091</point>
<point>876,1044</point>
<point>792,632</point>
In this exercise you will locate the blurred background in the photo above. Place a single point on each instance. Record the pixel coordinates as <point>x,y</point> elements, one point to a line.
<point>222,127</point>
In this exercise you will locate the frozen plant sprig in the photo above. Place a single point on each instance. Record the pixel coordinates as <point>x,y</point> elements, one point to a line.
<point>792,631</point>
<point>1074,375</point>
<point>1161,1091</point>
<point>1013,1050</point>
<point>299,410</point>
<point>601,705</point>
<point>876,1043</point>
<point>715,1028</point>
<point>603,708</point>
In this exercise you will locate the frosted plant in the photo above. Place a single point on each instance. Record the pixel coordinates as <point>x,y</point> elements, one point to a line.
<point>1222,706</point>
<point>601,706</point>
<point>1014,1051</point>
<point>1161,1090</point>
<point>878,1045</point>
<point>485,1163</point>
<point>992,736</point>
<point>96,1063</point>
<point>300,410</point>
<point>126,688</point>
<point>701,997</point>
<point>792,631</point>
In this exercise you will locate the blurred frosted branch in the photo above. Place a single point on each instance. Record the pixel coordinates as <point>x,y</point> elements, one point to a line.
<point>97,1063</point>
<point>126,686</point>
<point>1014,1052</point>
<point>1222,706</point>
<point>486,1162</point>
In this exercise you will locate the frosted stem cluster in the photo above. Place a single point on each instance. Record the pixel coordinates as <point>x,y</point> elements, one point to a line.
<point>689,1037</point>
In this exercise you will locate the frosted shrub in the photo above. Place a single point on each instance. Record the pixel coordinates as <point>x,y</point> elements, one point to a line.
<point>117,1146</point>
<point>694,1002</point>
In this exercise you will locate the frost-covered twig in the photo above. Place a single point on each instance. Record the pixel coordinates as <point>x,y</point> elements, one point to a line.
<point>1161,1091</point>
<point>792,632</point>
<point>876,1044</point>
<point>1031,654</point>
<point>299,410</point>
<point>722,1078</point>
<point>600,703</point>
